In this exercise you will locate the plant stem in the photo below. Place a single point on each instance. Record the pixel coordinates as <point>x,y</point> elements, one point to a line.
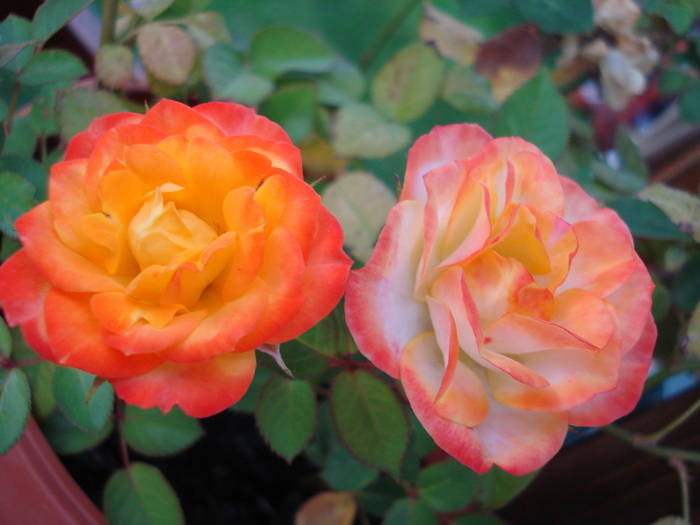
<point>657,436</point>
<point>389,31</point>
<point>683,480</point>
<point>11,108</point>
<point>654,450</point>
<point>109,20</point>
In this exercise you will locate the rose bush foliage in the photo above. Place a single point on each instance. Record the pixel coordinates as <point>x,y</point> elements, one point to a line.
<point>174,244</point>
<point>508,303</point>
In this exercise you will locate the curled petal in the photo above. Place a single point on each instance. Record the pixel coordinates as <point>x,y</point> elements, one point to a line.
<point>199,389</point>
<point>234,119</point>
<point>282,154</point>
<point>442,145</point>
<point>420,377</point>
<point>606,407</point>
<point>379,306</point>
<point>324,278</point>
<point>75,337</point>
<point>175,118</point>
<point>62,267</point>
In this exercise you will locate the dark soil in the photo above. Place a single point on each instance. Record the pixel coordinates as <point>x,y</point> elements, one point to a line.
<point>230,476</point>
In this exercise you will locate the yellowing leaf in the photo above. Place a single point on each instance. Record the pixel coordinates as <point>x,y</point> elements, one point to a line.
<point>168,52</point>
<point>327,508</point>
<point>681,207</point>
<point>113,65</point>
<point>451,38</point>
<point>361,131</point>
<point>692,340</point>
<point>409,83</point>
<point>361,203</point>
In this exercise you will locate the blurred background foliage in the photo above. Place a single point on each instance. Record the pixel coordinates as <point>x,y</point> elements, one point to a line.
<point>602,87</point>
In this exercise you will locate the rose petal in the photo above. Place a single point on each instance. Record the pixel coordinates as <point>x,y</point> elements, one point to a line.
<point>520,441</point>
<point>22,293</point>
<point>62,267</point>
<point>441,146</point>
<point>200,389</point>
<point>175,118</point>
<point>82,144</point>
<point>606,407</point>
<point>234,119</point>
<point>76,339</point>
<point>282,154</point>
<point>324,278</point>
<point>379,306</point>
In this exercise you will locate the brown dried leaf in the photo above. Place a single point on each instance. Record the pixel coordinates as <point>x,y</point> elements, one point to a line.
<point>327,508</point>
<point>510,59</point>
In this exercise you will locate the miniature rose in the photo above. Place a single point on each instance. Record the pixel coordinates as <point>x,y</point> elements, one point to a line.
<point>174,244</point>
<point>508,303</point>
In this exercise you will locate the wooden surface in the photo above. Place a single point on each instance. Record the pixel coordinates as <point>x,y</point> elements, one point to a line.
<point>605,480</point>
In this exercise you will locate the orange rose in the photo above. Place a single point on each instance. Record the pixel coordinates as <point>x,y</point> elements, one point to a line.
<point>174,244</point>
<point>509,303</point>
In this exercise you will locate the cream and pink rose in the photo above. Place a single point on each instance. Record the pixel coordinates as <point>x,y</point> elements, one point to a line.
<point>506,300</point>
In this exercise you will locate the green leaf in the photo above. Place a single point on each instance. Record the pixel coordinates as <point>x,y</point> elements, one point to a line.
<point>537,113</point>
<point>343,84</point>
<point>369,419</point>
<point>22,140</point>
<point>30,170</point>
<point>422,442</point>
<point>682,207</point>
<point>40,377</point>
<point>71,388</point>
<point>227,77</point>
<point>361,131</point>
<point>673,80</point>
<point>646,219</point>
<point>150,9</point>
<point>8,246</point>
<point>409,512</point>
<point>16,30</point>
<point>67,438</point>
<point>141,496</point>
<point>686,285</point>
<point>49,67</point>
<point>14,406</point>
<point>468,91</point>
<point>630,158</point>
<point>5,340</point>
<point>80,106</point>
<point>361,204</point>
<point>276,50</point>
<point>409,83</point>
<point>153,433</point>
<point>499,487</point>
<point>286,415</point>
<point>678,13</point>
<point>9,51</point>
<point>294,107</point>
<point>343,472</point>
<point>330,336</point>
<point>620,180</point>
<point>447,486</point>
<point>555,16</point>
<point>250,399</point>
<point>302,361</point>
<point>113,65</point>
<point>380,495</point>
<point>168,52</point>
<point>690,103</point>
<point>660,301</point>
<point>16,197</point>
<point>52,15</point>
